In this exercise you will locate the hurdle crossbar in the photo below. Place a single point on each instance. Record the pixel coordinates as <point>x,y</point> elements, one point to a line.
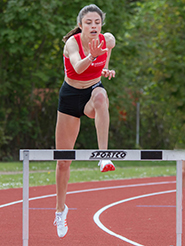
<point>91,155</point>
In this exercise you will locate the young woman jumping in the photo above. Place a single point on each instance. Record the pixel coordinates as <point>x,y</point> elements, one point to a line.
<point>86,59</point>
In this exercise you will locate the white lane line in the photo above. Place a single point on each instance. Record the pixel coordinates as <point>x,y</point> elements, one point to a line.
<point>30,199</point>
<point>89,190</point>
<point>99,212</point>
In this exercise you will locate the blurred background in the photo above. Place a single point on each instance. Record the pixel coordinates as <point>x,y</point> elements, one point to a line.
<point>147,96</point>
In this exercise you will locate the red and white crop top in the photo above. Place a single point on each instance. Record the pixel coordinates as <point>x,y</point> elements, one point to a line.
<point>95,68</point>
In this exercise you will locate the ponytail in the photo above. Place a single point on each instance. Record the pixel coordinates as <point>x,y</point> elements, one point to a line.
<point>71,33</point>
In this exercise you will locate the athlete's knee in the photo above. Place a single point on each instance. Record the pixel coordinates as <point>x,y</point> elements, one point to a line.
<point>100,99</point>
<point>63,165</point>
<point>183,167</point>
<point>183,173</point>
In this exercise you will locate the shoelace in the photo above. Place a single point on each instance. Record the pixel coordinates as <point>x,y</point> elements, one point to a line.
<point>59,222</point>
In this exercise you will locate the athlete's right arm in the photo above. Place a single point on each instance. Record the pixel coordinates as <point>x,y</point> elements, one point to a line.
<point>71,50</point>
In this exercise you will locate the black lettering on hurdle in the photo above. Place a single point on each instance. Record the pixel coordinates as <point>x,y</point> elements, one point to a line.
<point>106,154</point>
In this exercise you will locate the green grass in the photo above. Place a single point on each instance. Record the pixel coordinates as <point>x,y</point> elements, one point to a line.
<point>43,173</point>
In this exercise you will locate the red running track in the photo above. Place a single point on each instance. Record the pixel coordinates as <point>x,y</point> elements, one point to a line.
<point>148,221</point>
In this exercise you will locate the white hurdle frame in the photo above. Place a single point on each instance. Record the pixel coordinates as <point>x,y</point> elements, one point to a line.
<point>90,155</point>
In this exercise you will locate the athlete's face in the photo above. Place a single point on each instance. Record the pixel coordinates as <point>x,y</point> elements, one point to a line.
<point>91,25</point>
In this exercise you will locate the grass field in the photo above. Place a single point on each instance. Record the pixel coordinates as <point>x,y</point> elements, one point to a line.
<point>43,173</point>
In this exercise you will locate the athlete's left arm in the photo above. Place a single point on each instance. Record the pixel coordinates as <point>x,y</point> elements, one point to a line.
<point>110,43</point>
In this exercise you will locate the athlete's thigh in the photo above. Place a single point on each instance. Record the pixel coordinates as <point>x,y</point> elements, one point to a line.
<point>67,129</point>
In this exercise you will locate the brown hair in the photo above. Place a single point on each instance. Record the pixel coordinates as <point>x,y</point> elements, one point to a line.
<point>82,13</point>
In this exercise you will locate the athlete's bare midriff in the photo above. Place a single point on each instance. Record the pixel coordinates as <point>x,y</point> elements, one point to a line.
<point>82,84</point>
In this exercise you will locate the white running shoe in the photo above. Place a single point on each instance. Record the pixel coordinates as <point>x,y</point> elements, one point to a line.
<point>61,222</point>
<point>106,165</point>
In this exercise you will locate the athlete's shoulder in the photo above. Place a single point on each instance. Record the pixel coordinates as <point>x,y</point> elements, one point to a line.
<point>71,43</point>
<point>110,40</point>
<point>71,46</point>
<point>70,40</point>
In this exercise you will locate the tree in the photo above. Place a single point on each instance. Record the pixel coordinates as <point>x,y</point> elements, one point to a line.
<point>31,58</point>
<point>161,25</point>
<point>148,58</point>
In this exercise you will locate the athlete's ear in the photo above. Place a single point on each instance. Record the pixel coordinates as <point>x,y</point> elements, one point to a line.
<point>80,26</point>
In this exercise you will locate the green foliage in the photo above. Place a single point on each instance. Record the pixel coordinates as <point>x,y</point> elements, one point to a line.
<point>151,70</point>
<point>149,61</point>
<point>31,58</point>
<point>161,25</point>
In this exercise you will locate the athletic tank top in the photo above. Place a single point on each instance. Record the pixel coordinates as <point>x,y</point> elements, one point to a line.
<point>95,68</point>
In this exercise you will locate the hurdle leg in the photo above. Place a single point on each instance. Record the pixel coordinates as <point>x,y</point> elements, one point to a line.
<point>25,229</point>
<point>179,203</point>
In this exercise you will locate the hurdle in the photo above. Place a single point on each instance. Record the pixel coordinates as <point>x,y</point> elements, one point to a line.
<point>91,155</point>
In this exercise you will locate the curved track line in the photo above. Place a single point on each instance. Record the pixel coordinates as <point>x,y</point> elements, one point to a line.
<point>89,190</point>
<point>101,226</point>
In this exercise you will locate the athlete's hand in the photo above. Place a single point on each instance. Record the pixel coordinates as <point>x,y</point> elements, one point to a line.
<point>108,73</point>
<point>96,48</point>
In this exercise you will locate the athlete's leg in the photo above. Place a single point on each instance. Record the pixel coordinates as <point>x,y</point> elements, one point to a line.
<point>98,108</point>
<point>67,129</point>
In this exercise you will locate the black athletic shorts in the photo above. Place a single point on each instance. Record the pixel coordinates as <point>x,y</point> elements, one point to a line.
<point>72,100</point>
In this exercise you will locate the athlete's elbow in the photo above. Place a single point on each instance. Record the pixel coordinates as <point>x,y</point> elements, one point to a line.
<point>78,70</point>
